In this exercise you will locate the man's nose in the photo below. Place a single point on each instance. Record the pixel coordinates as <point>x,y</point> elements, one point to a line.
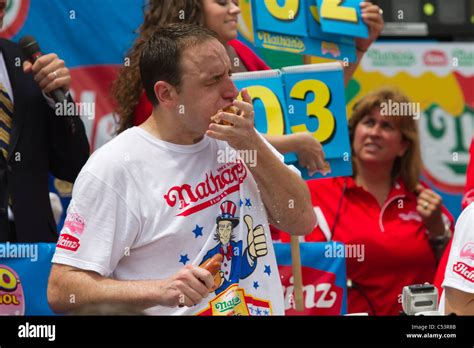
<point>231,91</point>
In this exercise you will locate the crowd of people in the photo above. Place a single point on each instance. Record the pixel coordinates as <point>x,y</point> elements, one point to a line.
<point>168,205</point>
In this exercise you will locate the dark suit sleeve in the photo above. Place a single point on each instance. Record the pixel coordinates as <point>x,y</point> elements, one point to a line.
<point>68,144</point>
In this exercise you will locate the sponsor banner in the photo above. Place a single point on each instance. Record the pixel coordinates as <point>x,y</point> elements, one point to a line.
<point>92,37</point>
<point>324,279</point>
<point>15,16</point>
<point>12,299</point>
<point>24,278</point>
<point>306,98</point>
<point>342,17</point>
<point>438,79</point>
<point>302,27</point>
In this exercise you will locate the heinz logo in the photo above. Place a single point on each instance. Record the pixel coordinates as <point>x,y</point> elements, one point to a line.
<point>68,242</point>
<point>435,58</point>
<point>464,271</point>
<point>321,295</point>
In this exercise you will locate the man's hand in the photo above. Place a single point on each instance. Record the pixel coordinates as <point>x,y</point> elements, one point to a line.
<point>49,72</point>
<point>428,205</point>
<point>257,244</point>
<point>241,134</point>
<point>372,16</point>
<point>186,288</point>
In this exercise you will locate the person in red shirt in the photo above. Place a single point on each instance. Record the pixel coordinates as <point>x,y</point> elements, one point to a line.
<point>221,16</point>
<point>393,227</point>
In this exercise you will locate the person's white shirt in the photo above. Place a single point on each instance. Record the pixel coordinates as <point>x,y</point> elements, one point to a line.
<point>459,272</point>
<point>143,208</point>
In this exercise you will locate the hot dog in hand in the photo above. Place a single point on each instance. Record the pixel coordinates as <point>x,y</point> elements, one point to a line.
<point>231,110</point>
<point>213,265</point>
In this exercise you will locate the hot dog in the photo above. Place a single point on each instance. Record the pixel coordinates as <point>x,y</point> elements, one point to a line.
<point>231,110</point>
<point>213,265</point>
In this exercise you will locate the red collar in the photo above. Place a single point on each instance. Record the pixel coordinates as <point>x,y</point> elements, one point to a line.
<point>398,187</point>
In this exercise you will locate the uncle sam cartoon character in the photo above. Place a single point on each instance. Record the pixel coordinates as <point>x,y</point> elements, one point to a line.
<point>236,265</point>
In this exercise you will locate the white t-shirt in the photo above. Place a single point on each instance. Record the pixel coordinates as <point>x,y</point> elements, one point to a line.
<point>460,268</point>
<point>143,208</point>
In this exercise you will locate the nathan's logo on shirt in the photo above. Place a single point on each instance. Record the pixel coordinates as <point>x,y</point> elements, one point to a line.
<point>68,242</point>
<point>210,191</point>
<point>467,251</point>
<point>464,271</point>
<point>74,223</point>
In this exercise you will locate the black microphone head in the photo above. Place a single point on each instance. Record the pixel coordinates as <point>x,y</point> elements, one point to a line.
<point>29,46</point>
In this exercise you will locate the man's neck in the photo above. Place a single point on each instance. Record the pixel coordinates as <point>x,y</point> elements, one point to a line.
<point>164,129</point>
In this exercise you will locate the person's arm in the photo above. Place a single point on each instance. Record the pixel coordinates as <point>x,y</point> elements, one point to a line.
<point>71,288</point>
<point>372,16</point>
<point>308,150</point>
<point>430,208</point>
<point>68,144</point>
<point>284,193</point>
<point>459,302</point>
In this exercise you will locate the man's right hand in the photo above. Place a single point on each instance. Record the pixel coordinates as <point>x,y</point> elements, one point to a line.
<point>188,287</point>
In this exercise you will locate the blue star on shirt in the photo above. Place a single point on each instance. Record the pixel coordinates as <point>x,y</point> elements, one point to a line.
<point>267,270</point>
<point>255,285</point>
<point>259,312</point>
<point>247,202</point>
<point>184,259</point>
<point>241,203</point>
<point>265,312</point>
<point>197,231</point>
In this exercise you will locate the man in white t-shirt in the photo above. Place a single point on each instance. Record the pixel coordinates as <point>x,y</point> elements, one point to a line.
<point>458,281</point>
<point>157,201</point>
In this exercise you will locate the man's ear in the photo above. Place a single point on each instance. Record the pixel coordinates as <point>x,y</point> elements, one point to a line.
<point>165,93</point>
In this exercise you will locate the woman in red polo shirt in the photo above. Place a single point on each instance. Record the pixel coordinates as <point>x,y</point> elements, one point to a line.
<point>399,225</point>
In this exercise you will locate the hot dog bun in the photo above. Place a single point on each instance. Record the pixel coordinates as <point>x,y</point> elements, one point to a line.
<point>231,110</point>
<point>213,265</point>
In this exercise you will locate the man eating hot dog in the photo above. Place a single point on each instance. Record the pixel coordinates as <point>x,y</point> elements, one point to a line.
<point>157,201</point>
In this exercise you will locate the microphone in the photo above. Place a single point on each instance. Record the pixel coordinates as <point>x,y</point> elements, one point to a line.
<point>31,50</point>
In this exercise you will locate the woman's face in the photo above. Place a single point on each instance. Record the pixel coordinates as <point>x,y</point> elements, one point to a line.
<point>221,16</point>
<point>378,139</point>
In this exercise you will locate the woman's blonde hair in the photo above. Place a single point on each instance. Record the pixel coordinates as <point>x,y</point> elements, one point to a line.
<point>408,166</point>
